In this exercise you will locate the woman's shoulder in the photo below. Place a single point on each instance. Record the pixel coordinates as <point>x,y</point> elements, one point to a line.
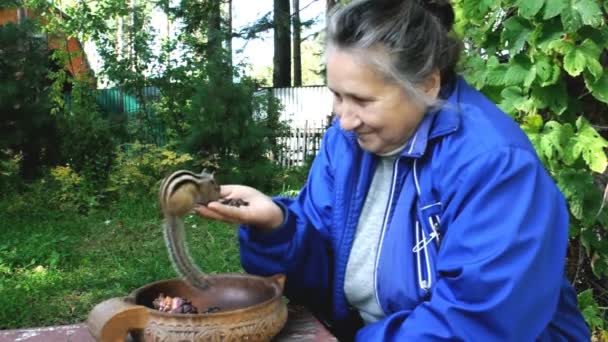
<point>483,126</point>
<point>485,139</point>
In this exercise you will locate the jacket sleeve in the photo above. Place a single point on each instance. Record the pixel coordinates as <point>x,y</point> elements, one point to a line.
<point>300,247</point>
<point>500,265</point>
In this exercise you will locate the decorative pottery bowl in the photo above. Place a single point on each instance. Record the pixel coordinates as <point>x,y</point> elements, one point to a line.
<point>251,308</point>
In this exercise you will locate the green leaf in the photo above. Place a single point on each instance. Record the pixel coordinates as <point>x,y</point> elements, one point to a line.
<point>475,71</point>
<point>577,186</point>
<point>588,144</point>
<point>548,32</point>
<point>547,71</point>
<point>571,19</point>
<point>574,62</point>
<point>554,7</point>
<point>554,138</point>
<point>592,53</point>
<point>590,49</point>
<point>512,97</point>
<point>595,69</point>
<point>599,88</point>
<point>529,8</point>
<point>564,47</point>
<point>530,76</point>
<point>496,75</point>
<point>516,34</point>
<point>544,69</point>
<point>590,12</point>
<point>477,8</point>
<point>585,299</point>
<point>516,73</point>
<point>532,123</point>
<point>554,97</point>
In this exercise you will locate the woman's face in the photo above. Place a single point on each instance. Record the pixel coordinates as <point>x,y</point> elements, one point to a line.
<point>378,111</point>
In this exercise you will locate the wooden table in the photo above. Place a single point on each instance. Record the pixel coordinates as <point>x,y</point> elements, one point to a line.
<point>301,326</point>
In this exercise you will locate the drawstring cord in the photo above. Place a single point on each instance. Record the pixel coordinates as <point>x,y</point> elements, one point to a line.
<point>422,241</point>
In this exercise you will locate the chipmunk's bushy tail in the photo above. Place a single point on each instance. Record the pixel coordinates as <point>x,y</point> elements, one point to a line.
<point>175,239</point>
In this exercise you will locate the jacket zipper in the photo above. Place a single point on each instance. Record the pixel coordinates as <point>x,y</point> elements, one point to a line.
<point>384,225</point>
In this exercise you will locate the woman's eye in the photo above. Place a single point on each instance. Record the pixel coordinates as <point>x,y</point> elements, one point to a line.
<point>361,101</point>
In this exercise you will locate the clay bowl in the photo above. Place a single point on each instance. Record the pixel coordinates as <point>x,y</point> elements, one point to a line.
<point>251,308</point>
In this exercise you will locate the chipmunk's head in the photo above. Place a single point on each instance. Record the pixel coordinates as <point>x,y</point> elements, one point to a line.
<point>182,190</point>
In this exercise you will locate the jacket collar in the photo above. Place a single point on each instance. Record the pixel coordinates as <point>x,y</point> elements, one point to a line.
<point>436,124</point>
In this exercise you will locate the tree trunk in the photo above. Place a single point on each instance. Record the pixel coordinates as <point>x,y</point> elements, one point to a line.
<point>214,28</point>
<point>297,41</point>
<point>281,74</point>
<point>229,32</point>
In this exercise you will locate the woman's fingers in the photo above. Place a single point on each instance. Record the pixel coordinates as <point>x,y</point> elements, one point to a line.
<point>218,211</point>
<point>226,190</point>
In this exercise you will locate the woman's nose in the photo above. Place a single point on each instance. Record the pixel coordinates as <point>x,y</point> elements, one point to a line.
<point>349,120</point>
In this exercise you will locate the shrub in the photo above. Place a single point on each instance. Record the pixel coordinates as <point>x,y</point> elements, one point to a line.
<point>138,169</point>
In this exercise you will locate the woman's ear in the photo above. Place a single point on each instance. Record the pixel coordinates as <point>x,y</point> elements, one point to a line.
<point>432,85</point>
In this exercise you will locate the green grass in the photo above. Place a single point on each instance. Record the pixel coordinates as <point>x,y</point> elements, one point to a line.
<point>54,267</point>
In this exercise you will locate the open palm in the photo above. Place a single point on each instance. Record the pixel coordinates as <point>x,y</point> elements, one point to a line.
<point>260,211</point>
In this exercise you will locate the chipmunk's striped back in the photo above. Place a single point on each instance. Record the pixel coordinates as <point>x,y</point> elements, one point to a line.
<point>173,182</point>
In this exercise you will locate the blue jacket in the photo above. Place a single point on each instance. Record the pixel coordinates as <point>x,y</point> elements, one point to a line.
<point>475,242</point>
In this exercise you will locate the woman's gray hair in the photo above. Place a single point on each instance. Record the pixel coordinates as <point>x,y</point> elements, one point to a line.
<point>406,40</point>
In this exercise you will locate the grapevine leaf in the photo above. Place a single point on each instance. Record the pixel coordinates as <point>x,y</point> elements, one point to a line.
<point>571,19</point>
<point>554,7</point>
<point>590,49</point>
<point>544,69</point>
<point>590,12</point>
<point>529,8</point>
<point>592,53</point>
<point>477,8</point>
<point>532,123</point>
<point>547,71</point>
<point>549,32</point>
<point>574,62</point>
<point>517,73</point>
<point>516,34</point>
<point>530,77</point>
<point>496,74</point>
<point>554,97</point>
<point>590,309</point>
<point>511,98</point>
<point>599,88</point>
<point>564,47</point>
<point>577,187</point>
<point>554,138</point>
<point>590,145</point>
<point>475,71</point>
<point>585,299</point>
<point>595,68</point>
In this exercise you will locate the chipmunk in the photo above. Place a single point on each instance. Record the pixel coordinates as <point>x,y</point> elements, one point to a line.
<point>179,193</point>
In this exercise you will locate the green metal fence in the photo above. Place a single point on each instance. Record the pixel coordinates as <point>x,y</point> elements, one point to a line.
<point>137,111</point>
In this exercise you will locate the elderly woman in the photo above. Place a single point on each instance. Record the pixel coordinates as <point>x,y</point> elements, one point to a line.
<point>427,214</point>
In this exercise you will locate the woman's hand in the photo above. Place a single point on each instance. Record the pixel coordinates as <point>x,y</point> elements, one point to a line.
<point>260,212</point>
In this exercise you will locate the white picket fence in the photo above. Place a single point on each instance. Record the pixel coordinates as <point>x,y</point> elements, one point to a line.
<point>308,111</point>
<point>302,142</point>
